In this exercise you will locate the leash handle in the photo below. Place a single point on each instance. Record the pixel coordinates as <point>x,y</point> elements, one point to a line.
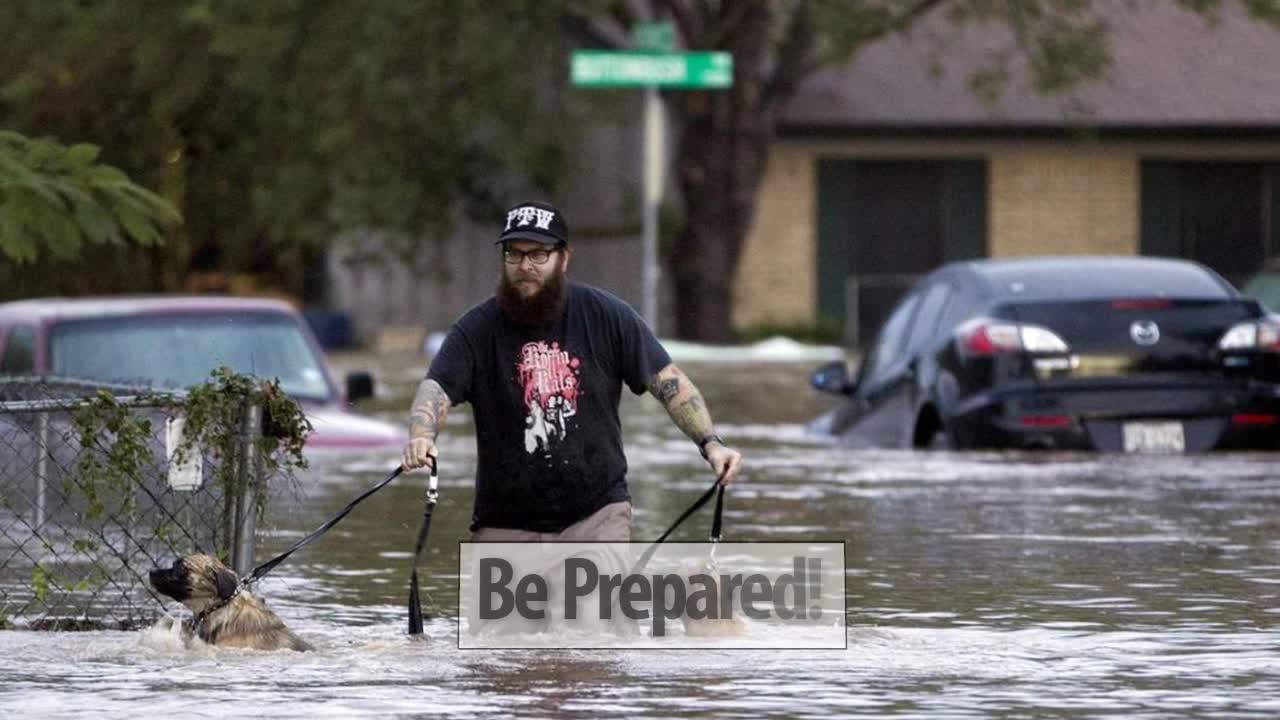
<point>717,521</point>
<point>429,505</point>
<point>433,482</point>
<point>717,488</point>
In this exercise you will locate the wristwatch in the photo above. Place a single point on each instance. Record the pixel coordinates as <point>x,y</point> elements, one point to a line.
<point>702,444</point>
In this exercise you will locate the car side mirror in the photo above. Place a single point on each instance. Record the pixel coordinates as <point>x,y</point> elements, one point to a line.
<point>833,378</point>
<point>359,386</point>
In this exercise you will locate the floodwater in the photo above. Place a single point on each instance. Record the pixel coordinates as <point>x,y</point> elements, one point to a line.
<point>979,585</point>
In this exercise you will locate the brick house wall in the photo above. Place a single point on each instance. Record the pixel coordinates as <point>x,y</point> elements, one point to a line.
<point>1044,196</point>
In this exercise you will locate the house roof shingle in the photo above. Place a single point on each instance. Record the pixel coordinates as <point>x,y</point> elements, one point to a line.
<point>1171,68</point>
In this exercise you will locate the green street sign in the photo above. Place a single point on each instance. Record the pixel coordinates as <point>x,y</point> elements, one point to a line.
<point>654,36</point>
<point>689,70</point>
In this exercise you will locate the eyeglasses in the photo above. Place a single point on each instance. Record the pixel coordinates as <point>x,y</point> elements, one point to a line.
<point>540,256</point>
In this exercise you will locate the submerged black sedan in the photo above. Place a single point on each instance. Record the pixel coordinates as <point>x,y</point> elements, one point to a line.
<point>1107,353</point>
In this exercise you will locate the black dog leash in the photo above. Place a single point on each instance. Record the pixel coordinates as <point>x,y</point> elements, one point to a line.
<point>415,604</point>
<point>268,566</point>
<point>717,523</point>
<point>261,570</point>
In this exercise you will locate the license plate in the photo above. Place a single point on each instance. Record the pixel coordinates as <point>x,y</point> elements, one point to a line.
<point>1153,437</point>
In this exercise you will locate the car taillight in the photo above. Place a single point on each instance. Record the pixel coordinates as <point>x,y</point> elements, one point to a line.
<point>1261,335</point>
<point>989,339</point>
<point>984,336</point>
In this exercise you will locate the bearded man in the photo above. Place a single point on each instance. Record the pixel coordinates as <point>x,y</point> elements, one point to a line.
<point>543,363</point>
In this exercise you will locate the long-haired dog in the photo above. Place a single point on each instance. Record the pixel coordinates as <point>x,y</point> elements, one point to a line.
<point>225,614</point>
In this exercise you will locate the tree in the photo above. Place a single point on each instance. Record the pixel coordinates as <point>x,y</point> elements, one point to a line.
<point>55,198</point>
<point>274,126</point>
<point>723,136</point>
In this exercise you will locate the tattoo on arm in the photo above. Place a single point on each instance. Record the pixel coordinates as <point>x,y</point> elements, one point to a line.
<point>692,417</point>
<point>683,401</point>
<point>666,384</point>
<point>666,390</point>
<point>429,408</point>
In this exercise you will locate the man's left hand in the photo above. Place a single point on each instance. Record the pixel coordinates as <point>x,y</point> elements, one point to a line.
<point>724,461</point>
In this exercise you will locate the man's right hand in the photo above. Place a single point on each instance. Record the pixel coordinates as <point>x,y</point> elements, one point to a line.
<point>416,453</point>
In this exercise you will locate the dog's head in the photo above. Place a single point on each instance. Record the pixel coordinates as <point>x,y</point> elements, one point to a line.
<point>196,581</point>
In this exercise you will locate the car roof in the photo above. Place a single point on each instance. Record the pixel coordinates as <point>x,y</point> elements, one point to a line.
<point>45,309</point>
<point>1088,277</point>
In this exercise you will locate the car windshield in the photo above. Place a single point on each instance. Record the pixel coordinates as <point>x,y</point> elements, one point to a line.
<point>176,350</point>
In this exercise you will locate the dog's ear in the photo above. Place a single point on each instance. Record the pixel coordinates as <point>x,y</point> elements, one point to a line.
<point>225,581</point>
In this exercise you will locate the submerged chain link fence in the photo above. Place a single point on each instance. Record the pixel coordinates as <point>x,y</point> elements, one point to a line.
<point>89,505</point>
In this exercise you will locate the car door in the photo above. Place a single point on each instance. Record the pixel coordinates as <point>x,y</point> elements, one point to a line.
<point>884,389</point>
<point>923,339</point>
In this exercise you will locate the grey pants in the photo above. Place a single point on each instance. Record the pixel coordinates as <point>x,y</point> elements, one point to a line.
<point>609,524</point>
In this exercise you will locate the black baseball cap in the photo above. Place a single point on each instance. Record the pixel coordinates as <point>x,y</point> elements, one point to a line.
<point>536,221</point>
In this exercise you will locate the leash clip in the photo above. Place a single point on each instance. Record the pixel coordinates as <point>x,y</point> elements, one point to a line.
<point>433,483</point>
<point>433,487</point>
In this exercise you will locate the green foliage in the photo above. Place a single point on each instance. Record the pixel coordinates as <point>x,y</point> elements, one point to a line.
<point>117,438</point>
<point>54,199</point>
<point>124,438</point>
<point>1268,10</point>
<point>821,332</point>
<point>118,445</point>
<point>85,546</point>
<point>276,125</point>
<point>40,583</point>
<point>214,412</point>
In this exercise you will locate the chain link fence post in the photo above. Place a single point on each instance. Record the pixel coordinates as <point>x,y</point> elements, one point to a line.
<point>42,466</point>
<point>248,485</point>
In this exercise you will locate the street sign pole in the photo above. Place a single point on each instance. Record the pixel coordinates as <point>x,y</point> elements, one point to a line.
<point>654,159</point>
<point>653,65</point>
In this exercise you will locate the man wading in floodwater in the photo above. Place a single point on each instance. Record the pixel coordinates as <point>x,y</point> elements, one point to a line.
<point>542,364</point>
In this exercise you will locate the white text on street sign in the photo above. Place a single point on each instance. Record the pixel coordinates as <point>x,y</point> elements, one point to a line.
<point>690,70</point>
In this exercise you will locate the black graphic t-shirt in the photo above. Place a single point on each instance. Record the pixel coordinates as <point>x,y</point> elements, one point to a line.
<point>546,406</point>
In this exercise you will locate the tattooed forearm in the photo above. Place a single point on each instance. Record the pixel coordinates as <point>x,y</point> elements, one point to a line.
<point>427,413</point>
<point>665,390</point>
<point>692,417</point>
<point>683,402</point>
<point>666,384</point>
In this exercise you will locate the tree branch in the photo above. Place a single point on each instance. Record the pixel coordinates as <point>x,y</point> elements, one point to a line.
<point>686,20</point>
<point>731,16</point>
<point>892,24</point>
<point>597,30</point>
<point>793,63</point>
<point>638,10</point>
<point>904,20</point>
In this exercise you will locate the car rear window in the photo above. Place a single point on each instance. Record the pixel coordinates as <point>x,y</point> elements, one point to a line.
<point>1096,280</point>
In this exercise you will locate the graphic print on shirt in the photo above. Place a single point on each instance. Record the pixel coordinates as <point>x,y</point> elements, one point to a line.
<point>549,377</point>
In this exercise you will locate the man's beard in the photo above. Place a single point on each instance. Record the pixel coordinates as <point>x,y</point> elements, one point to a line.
<point>538,311</point>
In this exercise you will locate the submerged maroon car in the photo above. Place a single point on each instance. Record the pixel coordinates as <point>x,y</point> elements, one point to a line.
<point>176,342</point>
